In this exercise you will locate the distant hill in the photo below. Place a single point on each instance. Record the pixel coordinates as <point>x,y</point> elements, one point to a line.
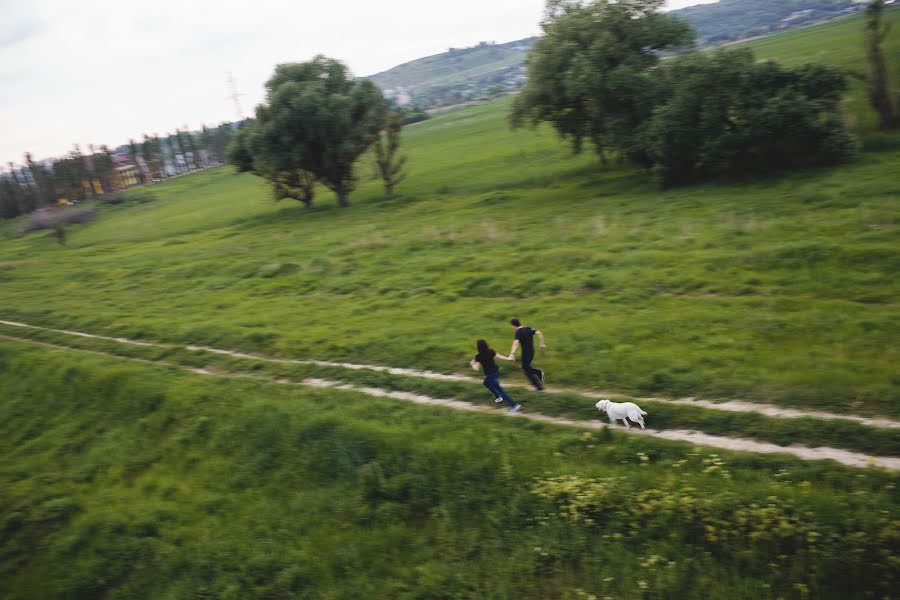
<point>730,20</point>
<point>488,69</point>
<point>458,75</point>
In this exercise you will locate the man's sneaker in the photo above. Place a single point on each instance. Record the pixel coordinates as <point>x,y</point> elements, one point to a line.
<point>498,400</point>
<point>542,377</point>
<point>516,408</point>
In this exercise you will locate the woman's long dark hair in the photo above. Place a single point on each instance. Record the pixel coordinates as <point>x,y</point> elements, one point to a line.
<point>483,347</point>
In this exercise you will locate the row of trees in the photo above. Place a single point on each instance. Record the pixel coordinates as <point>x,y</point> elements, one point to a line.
<point>80,176</point>
<point>597,77</point>
<point>316,123</point>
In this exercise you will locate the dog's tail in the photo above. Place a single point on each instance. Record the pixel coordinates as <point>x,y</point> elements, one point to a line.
<point>644,413</point>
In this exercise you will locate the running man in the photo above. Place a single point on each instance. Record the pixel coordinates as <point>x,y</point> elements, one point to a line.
<point>485,360</point>
<point>525,336</point>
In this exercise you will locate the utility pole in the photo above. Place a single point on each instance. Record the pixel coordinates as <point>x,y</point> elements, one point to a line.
<point>235,97</point>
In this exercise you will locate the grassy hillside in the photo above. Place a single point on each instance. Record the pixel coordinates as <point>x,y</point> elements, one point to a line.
<point>129,481</point>
<point>459,74</point>
<point>776,290</point>
<point>839,43</point>
<point>728,20</point>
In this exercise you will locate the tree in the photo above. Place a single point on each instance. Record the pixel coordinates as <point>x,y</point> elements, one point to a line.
<point>43,183</point>
<point>105,168</point>
<point>295,184</point>
<point>206,141</point>
<point>80,174</point>
<point>389,166</point>
<point>590,74</point>
<point>239,151</point>
<point>136,159</point>
<point>10,201</point>
<point>186,141</point>
<point>22,191</point>
<point>152,156</point>
<point>174,145</point>
<point>64,178</point>
<point>320,120</point>
<point>723,112</point>
<point>877,81</point>
<point>221,138</point>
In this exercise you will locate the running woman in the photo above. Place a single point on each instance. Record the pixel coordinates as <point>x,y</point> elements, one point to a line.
<point>485,360</point>
<point>525,336</point>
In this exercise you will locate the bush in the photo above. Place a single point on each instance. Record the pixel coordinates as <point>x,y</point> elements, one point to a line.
<point>53,218</point>
<point>723,113</point>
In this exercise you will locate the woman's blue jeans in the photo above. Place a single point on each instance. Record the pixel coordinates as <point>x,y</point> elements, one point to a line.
<point>492,383</point>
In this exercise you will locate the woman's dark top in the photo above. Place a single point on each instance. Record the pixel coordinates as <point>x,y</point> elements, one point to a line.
<point>487,361</point>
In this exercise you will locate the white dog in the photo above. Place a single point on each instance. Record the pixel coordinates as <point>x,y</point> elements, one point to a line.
<point>622,410</point>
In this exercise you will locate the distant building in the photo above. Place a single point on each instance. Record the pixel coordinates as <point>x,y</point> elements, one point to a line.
<point>128,176</point>
<point>399,95</point>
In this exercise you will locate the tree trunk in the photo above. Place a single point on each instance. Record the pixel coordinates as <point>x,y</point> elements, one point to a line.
<point>878,84</point>
<point>341,192</point>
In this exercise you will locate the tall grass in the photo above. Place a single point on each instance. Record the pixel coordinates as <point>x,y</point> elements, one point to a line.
<point>141,481</point>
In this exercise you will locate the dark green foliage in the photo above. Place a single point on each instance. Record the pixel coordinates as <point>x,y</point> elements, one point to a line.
<point>12,197</point>
<point>317,119</point>
<point>589,75</point>
<point>595,76</point>
<point>291,183</point>
<point>239,152</point>
<point>410,115</point>
<point>725,113</point>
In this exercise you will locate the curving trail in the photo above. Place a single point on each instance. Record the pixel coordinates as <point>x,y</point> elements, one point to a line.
<point>767,410</point>
<point>845,457</point>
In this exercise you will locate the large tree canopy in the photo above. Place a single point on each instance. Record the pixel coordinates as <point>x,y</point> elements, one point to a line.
<point>317,120</point>
<point>589,74</point>
<point>723,112</point>
<point>596,76</point>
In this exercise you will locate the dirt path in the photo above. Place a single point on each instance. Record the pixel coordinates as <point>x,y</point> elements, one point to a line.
<point>768,410</point>
<point>845,457</point>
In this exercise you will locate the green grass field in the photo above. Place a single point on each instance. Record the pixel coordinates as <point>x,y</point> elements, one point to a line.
<point>776,290</point>
<point>121,479</point>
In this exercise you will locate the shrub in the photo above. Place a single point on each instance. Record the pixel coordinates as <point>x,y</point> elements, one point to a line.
<point>723,113</point>
<point>51,219</point>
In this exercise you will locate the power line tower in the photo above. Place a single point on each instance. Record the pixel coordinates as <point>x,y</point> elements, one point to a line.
<point>235,97</point>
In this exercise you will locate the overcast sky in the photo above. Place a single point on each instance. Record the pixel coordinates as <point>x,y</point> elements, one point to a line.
<point>101,71</point>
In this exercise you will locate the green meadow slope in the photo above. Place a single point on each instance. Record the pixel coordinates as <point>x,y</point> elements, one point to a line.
<point>777,290</point>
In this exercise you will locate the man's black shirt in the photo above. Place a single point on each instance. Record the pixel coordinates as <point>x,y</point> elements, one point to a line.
<point>525,335</point>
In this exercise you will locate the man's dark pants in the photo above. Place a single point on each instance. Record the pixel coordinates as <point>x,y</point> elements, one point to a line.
<point>533,374</point>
